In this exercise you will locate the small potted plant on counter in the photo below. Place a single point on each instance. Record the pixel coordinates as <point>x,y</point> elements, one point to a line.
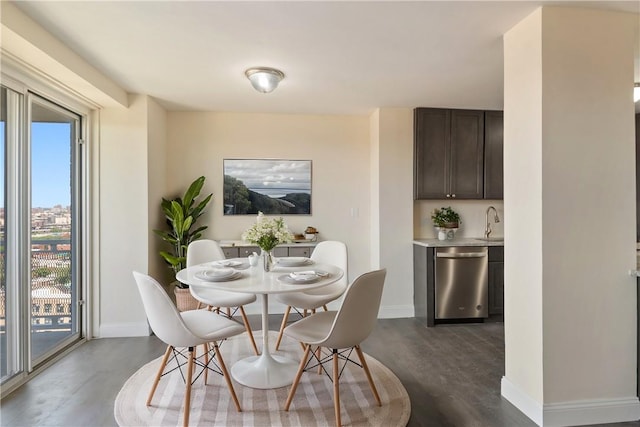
<point>446,221</point>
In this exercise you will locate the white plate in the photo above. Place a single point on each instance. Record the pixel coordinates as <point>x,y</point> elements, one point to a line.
<point>227,263</point>
<point>294,261</point>
<point>215,274</point>
<point>301,280</point>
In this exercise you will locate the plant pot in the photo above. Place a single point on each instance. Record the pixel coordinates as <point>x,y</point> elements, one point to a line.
<point>184,300</point>
<point>451,225</point>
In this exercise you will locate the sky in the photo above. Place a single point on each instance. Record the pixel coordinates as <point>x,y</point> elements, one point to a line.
<point>50,164</point>
<point>273,178</point>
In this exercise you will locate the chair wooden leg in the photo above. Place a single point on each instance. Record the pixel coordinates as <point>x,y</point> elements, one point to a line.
<point>318,356</point>
<point>226,376</point>
<point>313,311</point>
<point>336,387</point>
<point>325,307</point>
<point>368,373</point>
<point>199,305</point>
<point>187,394</point>
<point>247,326</point>
<point>159,374</point>
<point>228,311</point>
<point>296,380</point>
<point>206,362</point>
<point>283,325</point>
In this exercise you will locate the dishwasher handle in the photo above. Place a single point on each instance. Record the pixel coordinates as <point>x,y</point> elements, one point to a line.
<point>461,255</point>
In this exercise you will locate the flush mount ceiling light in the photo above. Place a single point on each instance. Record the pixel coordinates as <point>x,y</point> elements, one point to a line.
<point>264,79</point>
<point>636,92</point>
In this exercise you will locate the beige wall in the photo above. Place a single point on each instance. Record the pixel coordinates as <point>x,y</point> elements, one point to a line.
<point>570,306</point>
<point>523,202</point>
<point>157,167</point>
<point>394,192</point>
<point>337,145</point>
<point>124,217</point>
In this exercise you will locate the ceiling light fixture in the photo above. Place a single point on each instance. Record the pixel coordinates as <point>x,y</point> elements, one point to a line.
<point>264,79</point>
<point>636,92</point>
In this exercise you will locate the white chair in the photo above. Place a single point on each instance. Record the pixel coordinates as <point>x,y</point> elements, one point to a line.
<point>187,329</point>
<point>344,329</point>
<point>201,251</point>
<point>327,252</point>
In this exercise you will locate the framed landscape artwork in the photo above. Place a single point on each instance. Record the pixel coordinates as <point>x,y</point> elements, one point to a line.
<point>271,186</point>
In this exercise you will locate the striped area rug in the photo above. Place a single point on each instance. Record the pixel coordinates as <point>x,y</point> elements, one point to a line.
<point>211,405</point>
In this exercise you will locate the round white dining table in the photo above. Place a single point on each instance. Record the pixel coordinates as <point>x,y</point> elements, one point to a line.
<point>267,370</point>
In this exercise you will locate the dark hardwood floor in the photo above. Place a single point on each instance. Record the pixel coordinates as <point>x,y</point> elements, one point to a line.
<point>452,374</point>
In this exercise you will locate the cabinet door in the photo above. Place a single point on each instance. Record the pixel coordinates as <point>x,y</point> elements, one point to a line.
<point>496,288</point>
<point>493,154</point>
<point>467,154</point>
<point>304,251</point>
<point>432,131</point>
<point>230,252</point>
<point>248,250</point>
<point>281,251</point>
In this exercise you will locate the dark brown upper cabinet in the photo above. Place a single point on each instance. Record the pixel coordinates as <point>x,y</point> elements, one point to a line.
<point>448,154</point>
<point>493,154</point>
<point>458,154</point>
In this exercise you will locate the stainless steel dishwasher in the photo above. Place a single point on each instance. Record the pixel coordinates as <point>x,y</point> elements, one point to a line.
<point>461,282</point>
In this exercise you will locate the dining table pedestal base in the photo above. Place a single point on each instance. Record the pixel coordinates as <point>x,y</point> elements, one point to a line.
<point>265,371</point>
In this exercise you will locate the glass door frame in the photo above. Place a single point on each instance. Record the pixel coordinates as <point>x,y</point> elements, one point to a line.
<point>76,236</point>
<point>24,83</point>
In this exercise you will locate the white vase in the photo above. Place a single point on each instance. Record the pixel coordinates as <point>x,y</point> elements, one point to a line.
<point>442,234</point>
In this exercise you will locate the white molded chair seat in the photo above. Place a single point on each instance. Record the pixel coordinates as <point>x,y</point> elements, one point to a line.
<point>344,329</point>
<point>312,299</point>
<point>187,329</point>
<point>201,251</point>
<point>327,252</point>
<point>221,298</point>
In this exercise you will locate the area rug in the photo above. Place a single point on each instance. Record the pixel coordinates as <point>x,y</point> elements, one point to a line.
<point>312,405</point>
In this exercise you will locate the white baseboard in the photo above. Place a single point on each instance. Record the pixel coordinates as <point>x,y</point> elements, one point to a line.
<point>585,412</point>
<point>396,311</point>
<point>528,406</point>
<point>120,330</point>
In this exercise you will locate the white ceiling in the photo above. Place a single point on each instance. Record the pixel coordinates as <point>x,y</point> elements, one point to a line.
<point>338,57</point>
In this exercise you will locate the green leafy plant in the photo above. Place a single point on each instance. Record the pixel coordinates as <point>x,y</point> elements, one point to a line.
<point>445,217</point>
<point>182,214</point>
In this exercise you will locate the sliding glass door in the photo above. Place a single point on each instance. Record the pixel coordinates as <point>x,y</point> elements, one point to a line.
<point>40,231</point>
<point>54,296</point>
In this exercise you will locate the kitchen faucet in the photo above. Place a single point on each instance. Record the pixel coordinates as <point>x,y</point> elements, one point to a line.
<point>496,219</point>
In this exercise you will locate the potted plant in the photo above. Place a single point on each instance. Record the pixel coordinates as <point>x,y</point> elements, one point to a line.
<point>446,220</point>
<point>182,213</point>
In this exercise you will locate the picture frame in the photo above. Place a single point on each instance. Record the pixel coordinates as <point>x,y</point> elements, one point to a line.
<point>271,186</point>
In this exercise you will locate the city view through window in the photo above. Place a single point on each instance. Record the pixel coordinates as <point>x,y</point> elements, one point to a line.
<point>53,297</point>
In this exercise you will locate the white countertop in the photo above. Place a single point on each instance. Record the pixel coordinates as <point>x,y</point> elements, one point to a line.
<point>457,241</point>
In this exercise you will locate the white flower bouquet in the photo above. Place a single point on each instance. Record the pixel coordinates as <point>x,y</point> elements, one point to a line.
<point>268,233</point>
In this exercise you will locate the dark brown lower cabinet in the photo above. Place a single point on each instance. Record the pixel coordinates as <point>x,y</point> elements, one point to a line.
<point>496,280</point>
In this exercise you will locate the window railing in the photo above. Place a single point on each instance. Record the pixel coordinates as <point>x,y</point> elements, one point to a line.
<point>51,307</point>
